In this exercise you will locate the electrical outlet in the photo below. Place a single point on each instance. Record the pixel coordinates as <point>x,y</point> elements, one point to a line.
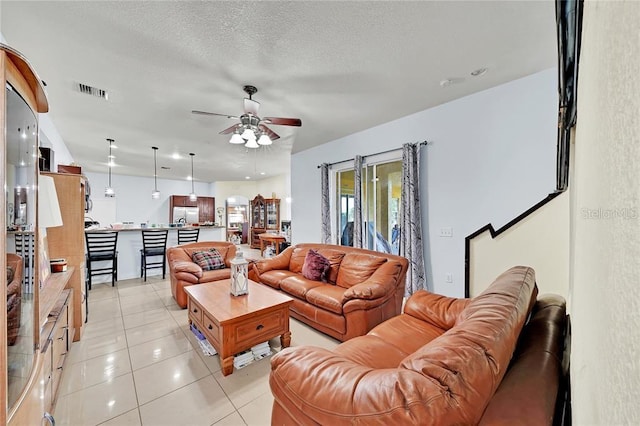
<point>446,232</point>
<point>448,277</point>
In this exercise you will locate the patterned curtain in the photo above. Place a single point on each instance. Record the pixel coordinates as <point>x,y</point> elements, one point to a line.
<point>357,202</point>
<point>410,220</point>
<point>325,204</point>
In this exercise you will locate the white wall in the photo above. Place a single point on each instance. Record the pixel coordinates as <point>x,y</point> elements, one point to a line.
<point>605,307</point>
<point>541,241</point>
<point>492,157</point>
<point>133,195</point>
<point>280,185</point>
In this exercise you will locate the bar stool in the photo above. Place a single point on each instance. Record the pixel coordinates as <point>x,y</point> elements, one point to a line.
<point>25,249</point>
<point>188,235</point>
<point>154,243</point>
<point>101,247</point>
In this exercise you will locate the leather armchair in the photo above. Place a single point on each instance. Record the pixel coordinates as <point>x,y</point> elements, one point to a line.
<point>14,298</point>
<point>184,272</point>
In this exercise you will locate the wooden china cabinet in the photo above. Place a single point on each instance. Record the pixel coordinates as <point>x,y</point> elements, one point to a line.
<point>265,216</point>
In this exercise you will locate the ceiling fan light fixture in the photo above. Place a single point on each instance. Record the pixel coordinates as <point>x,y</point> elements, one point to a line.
<point>236,139</point>
<point>248,134</point>
<point>265,140</point>
<point>251,143</point>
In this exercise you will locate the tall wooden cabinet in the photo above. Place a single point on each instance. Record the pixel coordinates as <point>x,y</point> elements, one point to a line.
<point>31,366</point>
<point>67,241</point>
<point>265,216</point>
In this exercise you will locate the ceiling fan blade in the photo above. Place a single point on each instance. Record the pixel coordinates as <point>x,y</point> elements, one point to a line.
<point>283,121</point>
<point>251,106</point>
<point>272,135</point>
<point>214,113</point>
<point>230,129</point>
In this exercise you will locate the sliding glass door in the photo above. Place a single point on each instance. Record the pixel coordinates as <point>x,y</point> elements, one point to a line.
<point>380,204</point>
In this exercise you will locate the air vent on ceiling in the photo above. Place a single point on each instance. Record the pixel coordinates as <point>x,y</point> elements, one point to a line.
<point>93,91</point>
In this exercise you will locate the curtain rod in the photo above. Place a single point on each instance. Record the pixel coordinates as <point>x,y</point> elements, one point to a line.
<point>371,155</point>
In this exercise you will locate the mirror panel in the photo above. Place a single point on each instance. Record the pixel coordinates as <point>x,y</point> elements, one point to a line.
<point>20,184</point>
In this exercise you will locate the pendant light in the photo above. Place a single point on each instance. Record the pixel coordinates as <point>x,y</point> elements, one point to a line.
<point>192,196</point>
<point>109,191</point>
<point>155,194</point>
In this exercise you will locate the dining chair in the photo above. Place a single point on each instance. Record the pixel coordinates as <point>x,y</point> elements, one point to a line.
<point>154,243</point>
<point>101,247</point>
<point>188,235</point>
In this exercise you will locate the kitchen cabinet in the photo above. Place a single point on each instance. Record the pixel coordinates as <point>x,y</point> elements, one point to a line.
<point>206,207</point>
<point>265,216</point>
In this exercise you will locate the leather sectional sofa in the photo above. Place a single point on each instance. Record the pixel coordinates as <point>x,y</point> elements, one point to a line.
<point>494,359</point>
<point>363,288</point>
<point>184,272</point>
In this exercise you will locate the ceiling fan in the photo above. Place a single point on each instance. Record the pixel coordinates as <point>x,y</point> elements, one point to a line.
<point>251,130</point>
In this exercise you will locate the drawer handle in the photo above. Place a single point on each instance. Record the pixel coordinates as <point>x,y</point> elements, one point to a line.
<point>61,338</point>
<point>210,327</point>
<point>59,368</point>
<point>195,310</point>
<point>259,327</point>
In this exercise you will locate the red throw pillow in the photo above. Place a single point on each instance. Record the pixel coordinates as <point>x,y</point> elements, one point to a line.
<point>315,266</point>
<point>208,260</point>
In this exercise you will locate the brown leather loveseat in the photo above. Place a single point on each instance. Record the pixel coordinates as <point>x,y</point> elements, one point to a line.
<point>363,287</point>
<point>184,272</point>
<point>444,361</point>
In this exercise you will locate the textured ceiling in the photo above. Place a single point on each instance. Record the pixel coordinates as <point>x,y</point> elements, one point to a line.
<point>341,67</point>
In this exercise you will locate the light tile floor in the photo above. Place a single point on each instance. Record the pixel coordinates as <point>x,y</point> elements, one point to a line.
<point>139,364</point>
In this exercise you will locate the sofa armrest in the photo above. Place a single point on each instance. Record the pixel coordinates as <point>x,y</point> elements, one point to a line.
<point>382,283</point>
<point>280,261</point>
<point>331,389</point>
<point>189,267</point>
<point>438,310</point>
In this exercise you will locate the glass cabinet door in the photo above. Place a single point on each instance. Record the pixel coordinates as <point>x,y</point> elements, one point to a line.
<point>258,212</point>
<point>20,183</point>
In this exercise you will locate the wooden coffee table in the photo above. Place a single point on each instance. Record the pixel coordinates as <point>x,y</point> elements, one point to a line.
<point>233,324</point>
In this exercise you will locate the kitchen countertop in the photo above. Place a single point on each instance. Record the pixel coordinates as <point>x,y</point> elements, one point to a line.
<point>157,228</point>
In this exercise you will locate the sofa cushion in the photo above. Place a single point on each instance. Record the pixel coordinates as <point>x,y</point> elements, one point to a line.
<point>327,297</point>
<point>335,259</point>
<point>357,267</point>
<point>297,285</point>
<point>215,275</point>
<point>315,266</point>
<point>274,277</point>
<point>297,259</point>
<point>372,351</point>
<point>208,260</point>
<point>421,333</point>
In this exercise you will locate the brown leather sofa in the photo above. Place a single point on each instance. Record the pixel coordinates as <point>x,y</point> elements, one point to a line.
<point>363,287</point>
<point>14,297</point>
<point>444,361</point>
<point>184,272</point>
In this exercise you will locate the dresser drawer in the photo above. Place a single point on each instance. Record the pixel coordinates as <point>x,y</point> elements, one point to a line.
<point>195,311</point>
<point>211,330</point>
<point>267,325</point>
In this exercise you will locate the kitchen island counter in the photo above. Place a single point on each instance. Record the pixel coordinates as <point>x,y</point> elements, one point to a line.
<point>130,244</point>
